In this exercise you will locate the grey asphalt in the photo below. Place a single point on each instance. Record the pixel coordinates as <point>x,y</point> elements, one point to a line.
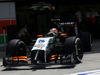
<point>90,61</point>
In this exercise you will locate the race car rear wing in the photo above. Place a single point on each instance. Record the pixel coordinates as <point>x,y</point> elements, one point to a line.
<point>68,24</point>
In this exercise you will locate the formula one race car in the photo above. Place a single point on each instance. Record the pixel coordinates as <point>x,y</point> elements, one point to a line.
<point>54,47</point>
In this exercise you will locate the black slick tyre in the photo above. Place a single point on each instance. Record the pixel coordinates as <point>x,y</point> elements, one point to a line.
<point>16,47</point>
<point>74,46</point>
<point>86,41</point>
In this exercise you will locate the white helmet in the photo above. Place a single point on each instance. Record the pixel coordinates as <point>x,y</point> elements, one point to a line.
<point>54,31</point>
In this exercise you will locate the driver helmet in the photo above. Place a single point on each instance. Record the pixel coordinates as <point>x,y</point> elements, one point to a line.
<point>54,31</point>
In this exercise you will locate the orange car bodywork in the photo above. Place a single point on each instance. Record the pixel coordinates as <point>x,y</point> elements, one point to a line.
<point>53,57</point>
<point>20,58</point>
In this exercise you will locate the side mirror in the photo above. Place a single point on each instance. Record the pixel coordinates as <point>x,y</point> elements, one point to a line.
<point>63,34</point>
<point>39,35</point>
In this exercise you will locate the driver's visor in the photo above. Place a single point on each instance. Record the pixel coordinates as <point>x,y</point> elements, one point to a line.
<point>55,31</point>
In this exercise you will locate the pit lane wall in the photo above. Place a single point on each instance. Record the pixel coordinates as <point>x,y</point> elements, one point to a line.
<point>7,17</point>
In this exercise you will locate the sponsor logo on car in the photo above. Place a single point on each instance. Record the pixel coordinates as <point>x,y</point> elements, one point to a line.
<point>41,41</point>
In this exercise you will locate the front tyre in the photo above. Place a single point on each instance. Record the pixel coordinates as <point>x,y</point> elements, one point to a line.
<point>16,47</point>
<point>74,46</point>
<point>79,50</point>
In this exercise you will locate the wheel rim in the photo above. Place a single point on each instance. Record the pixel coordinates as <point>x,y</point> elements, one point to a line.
<point>79,51</point>
<point>21,49</point>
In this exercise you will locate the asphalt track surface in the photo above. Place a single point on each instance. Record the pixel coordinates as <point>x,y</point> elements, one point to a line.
<point>90,63</point>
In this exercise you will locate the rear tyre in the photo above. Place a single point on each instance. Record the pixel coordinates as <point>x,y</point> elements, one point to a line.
<point>86,41</point>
